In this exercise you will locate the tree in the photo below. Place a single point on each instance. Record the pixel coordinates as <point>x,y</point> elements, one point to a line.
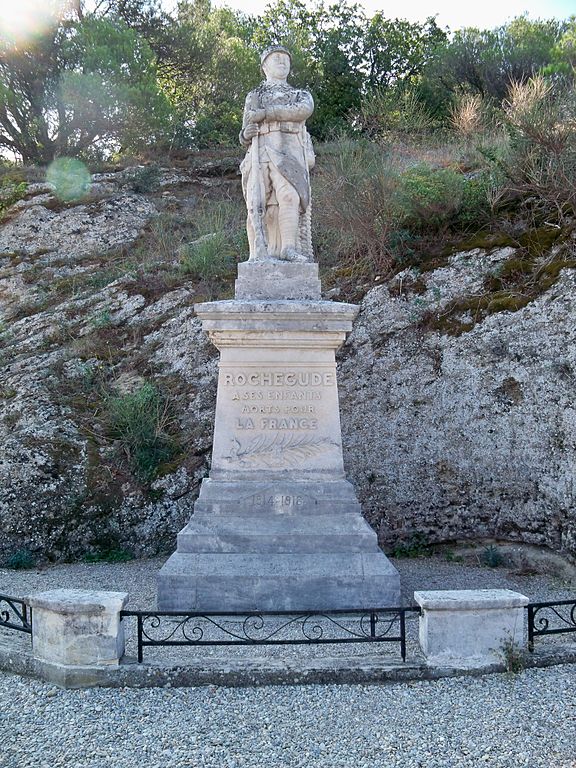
<point>397,51</point>
<point>211,66</point>
<point>487,61</point>
<point>84,83</point>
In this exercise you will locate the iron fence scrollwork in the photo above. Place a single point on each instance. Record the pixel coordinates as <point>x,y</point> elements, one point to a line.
<point>550,618</point>
<point>173,628</point>
<point>15,614</point>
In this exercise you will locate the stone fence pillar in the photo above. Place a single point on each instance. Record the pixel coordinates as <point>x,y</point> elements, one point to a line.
<point>470,626</point>
<point>74,630</point>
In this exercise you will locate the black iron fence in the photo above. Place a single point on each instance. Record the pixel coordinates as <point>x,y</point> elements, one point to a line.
<point>171,628</point>
<point>15,614</point>
<point>550,618</point>
<point>382,625</point>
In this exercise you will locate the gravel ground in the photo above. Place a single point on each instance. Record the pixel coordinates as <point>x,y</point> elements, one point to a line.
<point>506,721</point>
<point>501,721</point>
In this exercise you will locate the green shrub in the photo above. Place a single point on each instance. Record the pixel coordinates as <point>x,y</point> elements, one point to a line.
<point>512,656</point>
<point>140,421</point>
<point>210,256</point>
<point>491,556</point>
<point>431,198</point>
<point>475,208</point>
<point>21,560</point>
<point>144,179</point>
<point>355,209</point>
<point>220,243</point>
<point>385,112</point>
<point>108,556</point>
<point>10,192</point>
<point>540,166</point>
<point>416,546</point>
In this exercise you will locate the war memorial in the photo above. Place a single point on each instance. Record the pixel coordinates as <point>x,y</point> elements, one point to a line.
<point>277,526</point>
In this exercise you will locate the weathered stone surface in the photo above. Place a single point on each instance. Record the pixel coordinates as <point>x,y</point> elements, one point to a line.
<point>273,279</point>
<point>73,232</point>
<point>471,625</point>
<point>463,436</point>
<point>76,628</point>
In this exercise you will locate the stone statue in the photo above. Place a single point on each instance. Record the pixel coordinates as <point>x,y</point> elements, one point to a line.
<point>276,169</point>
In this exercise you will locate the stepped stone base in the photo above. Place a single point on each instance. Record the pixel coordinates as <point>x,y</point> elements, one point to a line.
<point>277,582</point>
<point>296,546</point>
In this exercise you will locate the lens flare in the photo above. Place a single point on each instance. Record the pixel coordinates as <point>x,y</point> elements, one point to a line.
<point>24,21</point>
<point>69,177</point>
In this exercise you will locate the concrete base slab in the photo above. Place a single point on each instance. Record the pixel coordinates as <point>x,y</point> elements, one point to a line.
<point>277,582</point>
<point>278,534</point>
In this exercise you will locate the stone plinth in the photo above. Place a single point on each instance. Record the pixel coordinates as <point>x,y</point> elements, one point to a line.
<point>77,628</point>
<point>277,526</point>
<point>279,280</point>
<point>471,625</point>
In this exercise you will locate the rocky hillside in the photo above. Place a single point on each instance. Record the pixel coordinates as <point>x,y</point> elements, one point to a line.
<point>457,390</point>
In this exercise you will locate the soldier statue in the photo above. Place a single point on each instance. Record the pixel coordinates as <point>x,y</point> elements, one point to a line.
<point>276,169</point>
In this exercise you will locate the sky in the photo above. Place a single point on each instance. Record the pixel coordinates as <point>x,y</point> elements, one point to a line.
<point>452,13</point>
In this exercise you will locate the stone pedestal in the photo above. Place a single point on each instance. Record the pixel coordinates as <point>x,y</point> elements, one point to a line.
<point>277,526</point>
<point>77,628</point>
<point>470,625</point>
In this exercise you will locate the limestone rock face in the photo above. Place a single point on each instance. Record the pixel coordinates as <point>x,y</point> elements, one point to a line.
<point>463,436</point>
<point>64,341</point>
<point>454,436</point>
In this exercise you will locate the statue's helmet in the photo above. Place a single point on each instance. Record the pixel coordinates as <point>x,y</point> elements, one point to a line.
<point>273,49</point>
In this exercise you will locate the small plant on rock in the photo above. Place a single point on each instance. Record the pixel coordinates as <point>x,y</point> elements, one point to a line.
<point>21,560</point>
<point>491,556</point>
<point>140,421</point>
<point>512,656</point>
<point>108,556</point>
<point>416,546</point>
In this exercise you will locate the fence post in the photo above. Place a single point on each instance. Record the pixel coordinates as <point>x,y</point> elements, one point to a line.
<point>76,633</point>
<point>471,626</point>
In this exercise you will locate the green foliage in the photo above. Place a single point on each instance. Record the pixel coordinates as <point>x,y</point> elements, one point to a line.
<point>140,422</point>
<point>541,163</point>
<point>512,656</point>
<point>416,546</point>
<point>356,213</point>
<point>10,192</point>
<point>491,557</point>
<point>82,84</point>
<point>221,241</point>
<point>102,319</point>
<point>397,51</point>
<point>431,197</point>
<point>475,208</point>
<point>386,112</point>
<point>108,556</point>
<point>145,179</point>
<point>21,560</point>
<point>210,68</point>
<point>486,61</point>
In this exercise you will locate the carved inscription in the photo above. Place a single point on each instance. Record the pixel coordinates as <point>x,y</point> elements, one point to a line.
<point>267,398</point>
<point>279,379</point>
<point>277,500</point>
<point>278,416</point>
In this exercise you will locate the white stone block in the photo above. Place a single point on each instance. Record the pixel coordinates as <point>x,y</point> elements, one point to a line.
<point>470,625</point>
<point>75,627</point>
